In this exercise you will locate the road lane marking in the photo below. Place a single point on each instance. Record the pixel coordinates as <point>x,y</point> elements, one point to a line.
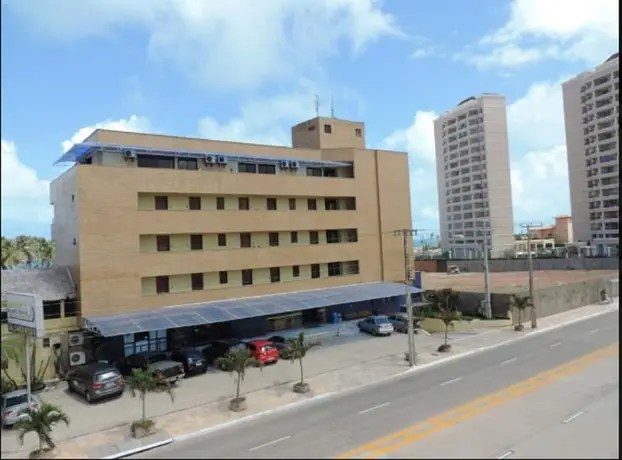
<point>449,382</point>
<point>573,416</point>
<point>374,408</point>
<point>506,454</point>
<point>271,443</point>
<point>387,444</point>
<point>556,344</point>
<point>508,361</point>
<point>592,331</point>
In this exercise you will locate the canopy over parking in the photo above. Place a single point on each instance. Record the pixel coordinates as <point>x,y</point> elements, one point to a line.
<point>221,311</point>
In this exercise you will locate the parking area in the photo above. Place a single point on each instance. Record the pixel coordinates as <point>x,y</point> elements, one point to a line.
<point>349,348</point>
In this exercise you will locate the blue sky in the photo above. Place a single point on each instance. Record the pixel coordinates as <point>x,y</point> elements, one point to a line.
<point>246,70</point>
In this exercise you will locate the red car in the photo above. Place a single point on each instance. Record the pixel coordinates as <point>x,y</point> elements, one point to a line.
<point>263,351</point>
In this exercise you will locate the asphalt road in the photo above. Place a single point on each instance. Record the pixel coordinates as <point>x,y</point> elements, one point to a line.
<point>336,425</point>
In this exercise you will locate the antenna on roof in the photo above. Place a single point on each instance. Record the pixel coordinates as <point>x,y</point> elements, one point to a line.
<point>332,107</point>
<point>317,105</point>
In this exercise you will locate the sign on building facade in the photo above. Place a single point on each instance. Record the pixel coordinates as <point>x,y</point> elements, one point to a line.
<point>25,314</point>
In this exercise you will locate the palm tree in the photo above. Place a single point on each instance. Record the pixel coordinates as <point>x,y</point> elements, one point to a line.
<point>444,301</point>
<point>520,304</point>
<point>237,362</point>
<point>141,382</point>
<point>11,349</point>
<point>11,255</point>
<point>41,421</point>
<point>298,349</point>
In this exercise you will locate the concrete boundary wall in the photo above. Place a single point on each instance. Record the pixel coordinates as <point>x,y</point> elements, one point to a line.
<point>522,265</point>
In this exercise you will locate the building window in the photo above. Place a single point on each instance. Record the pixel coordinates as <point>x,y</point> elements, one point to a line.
<point>314,237</point>
<point>328,129</point>
<point>294,237</point>
<point>161,203</point>
<point>315,271</point>
<point>196,242</point>
<point>71,308</point>
<point>51,309</point>
<point>273,237</point>
<point>358,132</point>
<point>162,285</point>
<point>197,281</point>
<point>163,243</point>
<point>292,204</point>
<point>314,172</point>
<point>266,169</point>
<point>333,236</point>
<point>312,204</point>
<point>247,277</point>
<point>245,240</point>
<point>351,267</point>
<point>243,204</point>
<point>334,269</point>
<point>220,203</point>
<point>194,203</point>
<point>223,277</point>
<point>295,271</point>
<point>154,161</point>
<point>275,274</point>
<point>329,172</point>
<point>271,204</point>
<point>331,204</point>
<point>247,168</point>
<point>222,240</point>
<point>352,235</point>
<point>187,163</point>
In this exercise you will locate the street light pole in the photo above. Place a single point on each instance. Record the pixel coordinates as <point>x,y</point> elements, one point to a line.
<point>534,316</point>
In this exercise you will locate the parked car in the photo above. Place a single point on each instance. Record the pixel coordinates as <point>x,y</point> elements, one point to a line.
<point>281,344</point>
<point>400,322</point>
<point>263,351</point>
<point>376,325</point>
<point>156,361</point>
<point>192,359</point>
<point>14,405</point>
<point>95,381</point>
<point>220,348</point>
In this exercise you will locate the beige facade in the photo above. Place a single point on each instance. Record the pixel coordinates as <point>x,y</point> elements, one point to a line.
<point>473,176</point>
<point>591,111</point>
<point>139,233</point>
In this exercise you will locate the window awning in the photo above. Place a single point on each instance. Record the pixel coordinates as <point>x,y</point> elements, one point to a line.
<point>221,311</point>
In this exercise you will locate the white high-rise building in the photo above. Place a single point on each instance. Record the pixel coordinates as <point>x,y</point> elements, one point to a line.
<point>591,111</point>
<point>473,177</point>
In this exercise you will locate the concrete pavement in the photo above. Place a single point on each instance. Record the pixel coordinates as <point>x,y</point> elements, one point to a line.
<point>349,421</point>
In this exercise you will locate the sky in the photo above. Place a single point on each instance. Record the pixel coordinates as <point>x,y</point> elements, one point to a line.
<point>247,70</point>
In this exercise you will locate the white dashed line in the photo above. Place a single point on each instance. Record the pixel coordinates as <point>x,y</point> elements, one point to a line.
<point>374,408</point>
<point>508,361</point>
<point>506,454</point>
<point>572,417</point>
<point>592,331</point>
<point>556,344</point>
<point>269,443</point>
<point>449,382</point>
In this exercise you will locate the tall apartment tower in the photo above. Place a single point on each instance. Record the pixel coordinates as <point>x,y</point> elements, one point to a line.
<point>473,174</point>
<point>591,111</point>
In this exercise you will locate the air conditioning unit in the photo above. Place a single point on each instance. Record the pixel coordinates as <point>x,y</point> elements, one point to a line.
<point>76,339</point>
<point>129,154</point>
<point>77,358</point>
<point>209,159</point>
<point>294,164</point>
<point>222,160</point>
<point>284,164</point>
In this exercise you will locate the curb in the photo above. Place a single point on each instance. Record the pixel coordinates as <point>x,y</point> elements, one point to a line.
<point>140,449</point>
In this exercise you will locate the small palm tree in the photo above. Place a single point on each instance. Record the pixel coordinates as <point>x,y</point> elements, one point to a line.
<point>236,362</point>
<point>444,301</point>
<point>142,382</point>
<point>41,421</point>
<point>298,349</point>
<point>520,304</point>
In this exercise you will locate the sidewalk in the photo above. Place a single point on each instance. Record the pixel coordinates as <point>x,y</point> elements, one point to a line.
<point>201,402</point>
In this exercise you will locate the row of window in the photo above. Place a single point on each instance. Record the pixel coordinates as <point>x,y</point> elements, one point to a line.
<point>196,241</point>
<point>195,203</point>
<point>198,280</point>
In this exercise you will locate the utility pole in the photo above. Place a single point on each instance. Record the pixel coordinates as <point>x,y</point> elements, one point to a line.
<point>407,233</point>
<point>528,227</point>
<point>488,306</point>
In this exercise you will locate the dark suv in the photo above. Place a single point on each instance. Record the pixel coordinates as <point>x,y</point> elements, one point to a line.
<point>220,348</point>
<point>193,360</point>
<point>96,381</point>
<point>157,362</point>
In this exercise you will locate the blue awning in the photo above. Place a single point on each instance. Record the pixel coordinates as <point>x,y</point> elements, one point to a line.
<point>221,311</point>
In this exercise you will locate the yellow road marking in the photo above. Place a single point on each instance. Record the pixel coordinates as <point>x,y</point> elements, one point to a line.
<point>393,442</point>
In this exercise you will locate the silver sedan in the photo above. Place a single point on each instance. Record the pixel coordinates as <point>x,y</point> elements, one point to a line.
<point>14,405</point>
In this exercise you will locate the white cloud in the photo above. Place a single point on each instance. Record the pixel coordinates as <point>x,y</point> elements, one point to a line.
<point>224,44</point>
<point>25,196</point>
<point>552,29</point>
<point>417,139</point>
<point>133,123</point>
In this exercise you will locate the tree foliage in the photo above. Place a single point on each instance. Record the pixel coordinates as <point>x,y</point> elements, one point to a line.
<point>237,362</point>
<point>27,251</point>
<point>41,421</point>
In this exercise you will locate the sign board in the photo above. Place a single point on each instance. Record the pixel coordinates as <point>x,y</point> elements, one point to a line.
<point>25,314</point>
